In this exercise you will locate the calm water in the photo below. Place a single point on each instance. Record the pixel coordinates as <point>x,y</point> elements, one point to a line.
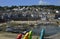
<point>49,29</point>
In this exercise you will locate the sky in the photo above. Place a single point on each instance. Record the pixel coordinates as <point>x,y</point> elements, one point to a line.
<point>29,2</point>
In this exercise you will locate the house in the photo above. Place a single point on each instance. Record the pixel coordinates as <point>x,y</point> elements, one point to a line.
<point>57,16</point>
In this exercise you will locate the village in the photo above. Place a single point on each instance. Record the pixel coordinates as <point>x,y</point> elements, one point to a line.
<point>20,19</point>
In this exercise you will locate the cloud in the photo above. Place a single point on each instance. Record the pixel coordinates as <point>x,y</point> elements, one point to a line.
<point>41,2</point>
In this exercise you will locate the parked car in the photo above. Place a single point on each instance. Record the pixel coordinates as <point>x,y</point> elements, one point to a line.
<point>15,30</point>
<point>9,29</point>
<point>24,32</point>
<point>1,28</point>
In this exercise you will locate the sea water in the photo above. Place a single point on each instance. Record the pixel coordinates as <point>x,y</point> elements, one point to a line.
<point>49,29</point>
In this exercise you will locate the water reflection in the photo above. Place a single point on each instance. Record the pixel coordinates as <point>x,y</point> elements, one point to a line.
<point>50,29</point>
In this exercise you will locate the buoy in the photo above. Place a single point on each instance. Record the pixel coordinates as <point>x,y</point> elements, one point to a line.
<point>30,34</point>
<point>19,36</point>
<point>26,36</point>
<point>42,33</point>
